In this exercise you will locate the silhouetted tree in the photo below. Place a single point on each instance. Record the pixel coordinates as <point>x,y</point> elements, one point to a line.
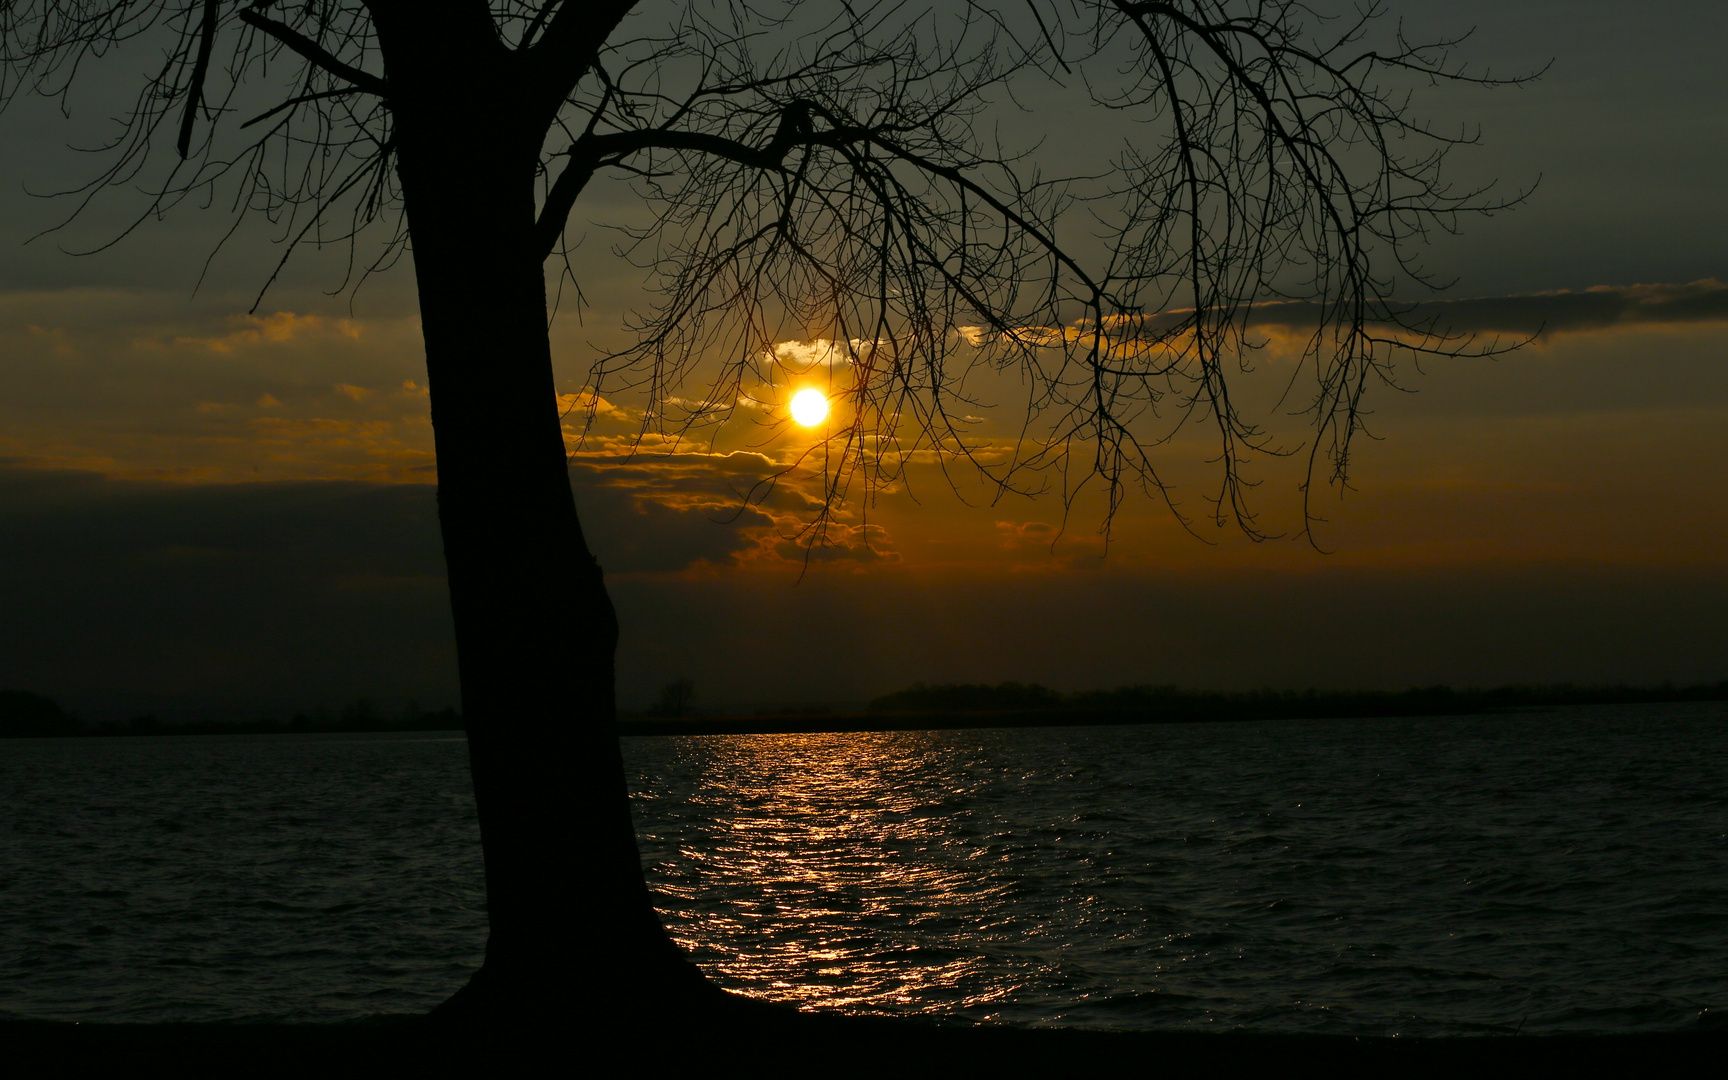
<point>828,166</point>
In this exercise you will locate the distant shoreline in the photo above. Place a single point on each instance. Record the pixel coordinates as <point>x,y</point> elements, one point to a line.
<point>1012,705</point>
<point>839,723</point>
<point>1129,705</point>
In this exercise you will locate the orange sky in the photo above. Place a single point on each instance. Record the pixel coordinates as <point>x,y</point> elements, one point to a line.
<point>1550,515</point>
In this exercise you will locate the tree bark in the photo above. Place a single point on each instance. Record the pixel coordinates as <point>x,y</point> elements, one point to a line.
<point>572,926</point>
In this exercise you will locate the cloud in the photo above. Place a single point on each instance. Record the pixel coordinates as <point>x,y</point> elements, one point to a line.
<point>799,357</point>
<point>1049,547</point>
<point>1559,312</point>
<point>1324,626</point>
<point>661,512</point>
<point>124,595</point>
<point>835,543</point>
<point>583,403</point>
<point>139,595</point>
<point>149,385</point>
<point>1521,315</point>
<point>129,595</point>
<point>283,326</point>
<point>1033,533</point>
<point>668,511</point>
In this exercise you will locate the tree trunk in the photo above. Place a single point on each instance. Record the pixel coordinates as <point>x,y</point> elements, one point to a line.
<point>571,922</point>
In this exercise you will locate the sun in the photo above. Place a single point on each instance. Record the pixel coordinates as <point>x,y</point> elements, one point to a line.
<point>809,407</point>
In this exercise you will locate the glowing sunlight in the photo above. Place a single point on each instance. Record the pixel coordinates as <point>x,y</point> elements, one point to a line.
<point>809,407</point>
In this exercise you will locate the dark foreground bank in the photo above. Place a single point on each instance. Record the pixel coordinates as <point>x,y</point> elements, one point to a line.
<point>831,1045</point>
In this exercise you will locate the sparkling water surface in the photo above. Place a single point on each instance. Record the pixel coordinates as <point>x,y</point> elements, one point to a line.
<point>1563,871</point>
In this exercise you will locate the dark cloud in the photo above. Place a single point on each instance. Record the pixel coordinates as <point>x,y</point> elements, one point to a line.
<point>1545,313</point>
<point>668,511</point>
<point>1518,316</point>
<point>642,520</point>
<point>663,512</point>
<point>128,596</point>
<point>842,638</point>
<point>124,596</point>
<point>324,527</point>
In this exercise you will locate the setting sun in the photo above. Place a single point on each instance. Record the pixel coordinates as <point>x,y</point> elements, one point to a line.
<point>809,407</point>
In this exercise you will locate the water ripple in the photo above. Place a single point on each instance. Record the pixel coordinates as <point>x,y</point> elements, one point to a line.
<point>236,877</point>
<point>1559,872</point>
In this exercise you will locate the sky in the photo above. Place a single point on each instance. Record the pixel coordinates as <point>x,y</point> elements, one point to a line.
<point>211,510</point>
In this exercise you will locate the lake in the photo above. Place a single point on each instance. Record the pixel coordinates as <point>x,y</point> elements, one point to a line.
<point>1543,872</point>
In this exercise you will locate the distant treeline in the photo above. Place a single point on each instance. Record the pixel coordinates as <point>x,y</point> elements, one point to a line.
<point>1173,701</point>
<point>27,715</point>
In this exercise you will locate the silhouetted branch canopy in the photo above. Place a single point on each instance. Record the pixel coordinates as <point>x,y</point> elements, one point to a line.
<point>907,183</point>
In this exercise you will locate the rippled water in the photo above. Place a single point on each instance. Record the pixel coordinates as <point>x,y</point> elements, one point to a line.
<point>1565,871</point>
<point>303,877</point>
<point>1560,872</point>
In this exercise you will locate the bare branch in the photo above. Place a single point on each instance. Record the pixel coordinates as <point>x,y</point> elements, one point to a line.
<point>195,92</point>
<point>312,51</point>
<point>570,46</point>
<point>831,167</point>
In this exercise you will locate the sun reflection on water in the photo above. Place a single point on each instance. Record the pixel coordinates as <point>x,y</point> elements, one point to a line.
<point>857,847</point>
<point>1307,877</point>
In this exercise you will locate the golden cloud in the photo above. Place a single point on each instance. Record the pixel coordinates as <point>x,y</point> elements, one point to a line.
<point>799,357</point>
<point>1036,533</point>
<point>833,543</point>
<point>283,326</point>
<point>584,402</point>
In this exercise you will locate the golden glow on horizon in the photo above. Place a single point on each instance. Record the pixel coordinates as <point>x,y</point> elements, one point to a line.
<point>809,407</point>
